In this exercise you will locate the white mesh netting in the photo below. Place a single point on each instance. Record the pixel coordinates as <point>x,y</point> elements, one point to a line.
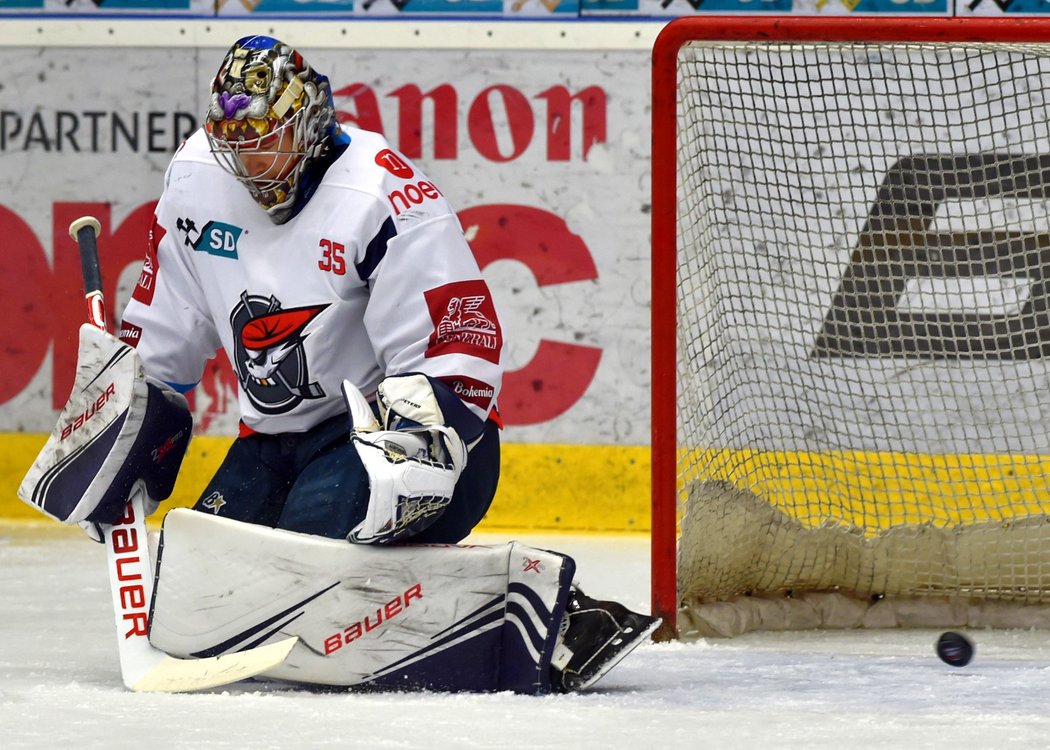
<point>863,332</point>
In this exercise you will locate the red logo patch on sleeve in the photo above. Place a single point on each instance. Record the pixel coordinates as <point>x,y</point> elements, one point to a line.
<point>464,321</point>
<point>148,276</point>
<point>394,164</point>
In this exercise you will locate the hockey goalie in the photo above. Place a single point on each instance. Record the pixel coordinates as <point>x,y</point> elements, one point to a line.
<point>335,276</point>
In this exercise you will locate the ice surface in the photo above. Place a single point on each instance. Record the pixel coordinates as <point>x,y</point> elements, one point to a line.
<point>60,683</point>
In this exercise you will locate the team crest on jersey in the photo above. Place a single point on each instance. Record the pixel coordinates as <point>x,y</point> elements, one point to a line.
<point>464,321</point>
<point>269,356</point>
<point>215,238</point>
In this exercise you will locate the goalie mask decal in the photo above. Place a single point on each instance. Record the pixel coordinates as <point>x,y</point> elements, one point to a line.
<point>269,356</point>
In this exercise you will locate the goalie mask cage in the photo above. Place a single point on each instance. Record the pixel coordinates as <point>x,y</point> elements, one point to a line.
<point>851,390</point>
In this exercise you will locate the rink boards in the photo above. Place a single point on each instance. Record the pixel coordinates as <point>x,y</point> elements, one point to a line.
<point>549,138</point>
<point>543,487</point>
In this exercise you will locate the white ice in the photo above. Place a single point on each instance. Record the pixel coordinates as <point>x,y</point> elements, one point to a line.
<point>60,684</point>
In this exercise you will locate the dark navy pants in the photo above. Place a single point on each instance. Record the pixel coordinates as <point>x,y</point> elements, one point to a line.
<point>314,482</point>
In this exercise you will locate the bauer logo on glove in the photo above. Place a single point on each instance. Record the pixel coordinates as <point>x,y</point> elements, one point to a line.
<point>117,427</point>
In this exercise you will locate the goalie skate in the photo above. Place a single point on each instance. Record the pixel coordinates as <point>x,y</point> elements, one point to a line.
<point>596,636</point>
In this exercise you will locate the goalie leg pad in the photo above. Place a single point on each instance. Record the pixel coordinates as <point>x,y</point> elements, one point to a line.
<point>422,617</point>
<point>115,429</point>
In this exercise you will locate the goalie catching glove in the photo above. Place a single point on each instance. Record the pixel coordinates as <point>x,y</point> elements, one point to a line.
<point>116,429</point>
<point>413,459</point>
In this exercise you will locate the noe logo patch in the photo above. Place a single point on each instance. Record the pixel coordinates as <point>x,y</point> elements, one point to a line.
<point>464,321</point>
<point>413,194</point>
<point>394,164</point>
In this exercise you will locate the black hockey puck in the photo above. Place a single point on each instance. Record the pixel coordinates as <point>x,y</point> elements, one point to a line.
<point>955,649</point>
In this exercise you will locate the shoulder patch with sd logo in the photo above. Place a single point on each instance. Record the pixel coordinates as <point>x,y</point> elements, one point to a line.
<point>215,238</point>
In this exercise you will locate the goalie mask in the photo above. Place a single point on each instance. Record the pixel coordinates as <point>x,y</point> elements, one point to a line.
<point>271,117</point>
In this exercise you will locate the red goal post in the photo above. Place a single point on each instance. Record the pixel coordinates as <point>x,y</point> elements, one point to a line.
<point>674,447</point>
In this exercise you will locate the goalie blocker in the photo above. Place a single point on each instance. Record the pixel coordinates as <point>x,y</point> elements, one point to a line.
<point>115,429</point>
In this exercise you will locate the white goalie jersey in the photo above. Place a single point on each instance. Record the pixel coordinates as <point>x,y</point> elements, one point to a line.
<point>373,277</point>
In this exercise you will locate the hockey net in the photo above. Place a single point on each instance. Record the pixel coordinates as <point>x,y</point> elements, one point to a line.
<point>851,328</point>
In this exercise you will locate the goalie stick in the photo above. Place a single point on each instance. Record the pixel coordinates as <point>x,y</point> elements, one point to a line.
<point>143,667</point>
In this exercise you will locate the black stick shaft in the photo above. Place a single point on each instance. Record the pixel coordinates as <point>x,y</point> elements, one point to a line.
<point>85,231</point>
<point>89,260</point>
